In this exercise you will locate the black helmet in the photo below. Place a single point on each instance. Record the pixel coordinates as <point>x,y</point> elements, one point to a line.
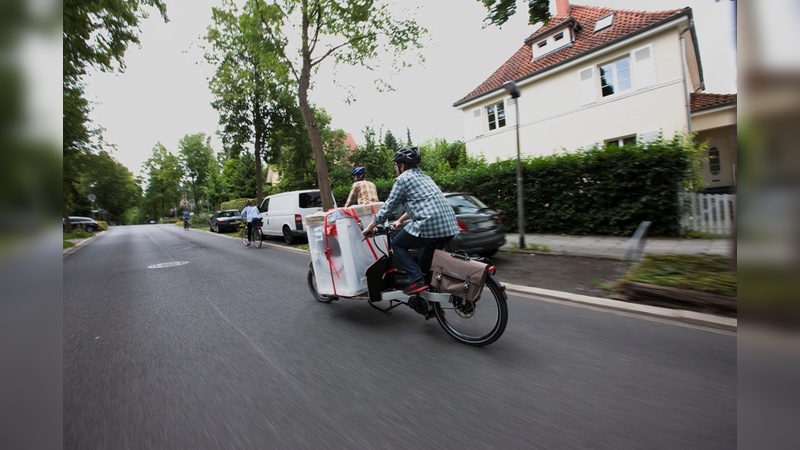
<point>359,172</point>
<point>407,155</point>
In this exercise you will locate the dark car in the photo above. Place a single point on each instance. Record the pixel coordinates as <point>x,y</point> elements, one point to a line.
<point>480,227</point>
<point>227,220</point>
<point>86,223</point>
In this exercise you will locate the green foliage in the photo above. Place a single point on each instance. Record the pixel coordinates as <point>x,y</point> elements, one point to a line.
<point>499,11</point>
<point>111,183</point>
<point>197,159</point>
<point>708,273</point>
<point>236,203</point>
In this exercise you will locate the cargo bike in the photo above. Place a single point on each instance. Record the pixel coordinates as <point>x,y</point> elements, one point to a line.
<point>465,297</point>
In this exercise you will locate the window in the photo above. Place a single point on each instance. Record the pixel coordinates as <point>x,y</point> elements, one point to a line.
<point>615,77</point>
<point>497,115</point>
<point>713,160</point>
<point>558,36</point>
<point>604,22</point>
<point>621,142</point>
<point>541,44</point>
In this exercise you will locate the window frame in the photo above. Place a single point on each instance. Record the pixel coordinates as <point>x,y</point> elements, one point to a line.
<point>494,110</point>
<point>621,141</point>
<point>615,81</point>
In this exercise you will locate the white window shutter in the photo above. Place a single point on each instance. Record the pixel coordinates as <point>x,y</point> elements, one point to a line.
<point>650,136</point>
<point>644,67</point>
<point>474,124</point>
<point>511,112</point>
<point>586,89</point>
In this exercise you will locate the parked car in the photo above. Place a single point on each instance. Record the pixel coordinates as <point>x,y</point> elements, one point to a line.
<point>227,220</point>
<point>86,223</point>
<point>480,227</point>
<point>285,214</point>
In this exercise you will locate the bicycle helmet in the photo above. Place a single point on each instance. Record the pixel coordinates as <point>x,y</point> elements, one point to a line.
<point>407,155</point>
<point>359,172</point>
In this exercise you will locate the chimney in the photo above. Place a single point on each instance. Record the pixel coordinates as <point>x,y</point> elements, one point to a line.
<point>562,8</point>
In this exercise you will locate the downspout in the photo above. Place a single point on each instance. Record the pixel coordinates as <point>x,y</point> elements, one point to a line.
<point>688,101</point>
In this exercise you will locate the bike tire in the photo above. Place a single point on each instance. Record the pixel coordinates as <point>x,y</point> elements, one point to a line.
<point>312,286</point>
<point>479,323</point>
<point>257,237</point>
<point>243,235</point>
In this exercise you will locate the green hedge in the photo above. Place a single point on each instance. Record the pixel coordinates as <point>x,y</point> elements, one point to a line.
<point>597,191</point>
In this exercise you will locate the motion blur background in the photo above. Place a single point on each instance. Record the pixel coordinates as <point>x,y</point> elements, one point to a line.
<point>31,205</point>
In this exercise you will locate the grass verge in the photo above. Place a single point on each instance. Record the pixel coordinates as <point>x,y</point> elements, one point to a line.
<point>707,273</point>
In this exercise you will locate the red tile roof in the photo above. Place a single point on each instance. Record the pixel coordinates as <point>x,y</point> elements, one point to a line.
<point>702,101</point>
<point>626,24</point>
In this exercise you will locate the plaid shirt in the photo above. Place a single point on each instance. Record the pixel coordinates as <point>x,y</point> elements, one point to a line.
<point>364,191</point>
<point>430,214</point>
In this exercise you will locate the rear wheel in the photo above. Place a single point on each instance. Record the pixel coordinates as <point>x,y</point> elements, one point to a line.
<point>257,237</point>
<point>287,235</point>
<point>475,323</point>
<point>312,286</point>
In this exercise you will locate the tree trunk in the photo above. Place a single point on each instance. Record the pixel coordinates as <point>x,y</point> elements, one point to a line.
<point>311,125</point>
<point>259,144</point>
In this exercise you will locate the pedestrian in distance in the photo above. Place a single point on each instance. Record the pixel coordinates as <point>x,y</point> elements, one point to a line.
<point>363,190</point>
<point>432,220</point>
<point>249,213</point>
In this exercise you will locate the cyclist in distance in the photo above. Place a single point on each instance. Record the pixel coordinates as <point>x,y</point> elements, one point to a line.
<point>363,191</point>
<point>249,213</point>
<point>432,220</point>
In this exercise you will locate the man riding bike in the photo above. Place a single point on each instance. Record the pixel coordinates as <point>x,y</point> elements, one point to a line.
<point>433,222</point>
<point>363,191</point>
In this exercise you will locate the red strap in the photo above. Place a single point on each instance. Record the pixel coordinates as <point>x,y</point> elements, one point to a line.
<point>328,255</point>
<point>354,214</point>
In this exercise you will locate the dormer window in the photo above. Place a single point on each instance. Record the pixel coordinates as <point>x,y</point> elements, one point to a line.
<point>551,43</point>
<point>604,23</point>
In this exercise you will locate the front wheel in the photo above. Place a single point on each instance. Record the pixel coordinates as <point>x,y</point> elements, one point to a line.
<point>312,286</point>
<point>257,237</point>
<point>475,323</point>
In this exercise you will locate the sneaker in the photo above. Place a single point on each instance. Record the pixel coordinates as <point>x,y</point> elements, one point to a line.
<point>415,287</point>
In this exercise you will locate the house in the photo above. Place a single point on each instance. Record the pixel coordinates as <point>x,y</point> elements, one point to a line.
<point>595,75</point>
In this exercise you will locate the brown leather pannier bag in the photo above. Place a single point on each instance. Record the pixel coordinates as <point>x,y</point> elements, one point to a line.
<point>458,275</point>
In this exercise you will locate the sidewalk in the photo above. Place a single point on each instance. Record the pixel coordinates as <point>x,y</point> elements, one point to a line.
<point>616,247</point>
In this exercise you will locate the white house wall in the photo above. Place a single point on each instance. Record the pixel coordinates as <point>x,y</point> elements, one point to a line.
<point>552,118</point>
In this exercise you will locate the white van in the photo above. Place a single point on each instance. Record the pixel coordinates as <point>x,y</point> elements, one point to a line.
<point>285,214</point>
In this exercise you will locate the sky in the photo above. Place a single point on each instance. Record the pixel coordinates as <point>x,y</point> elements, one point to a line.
<point>163,94</point>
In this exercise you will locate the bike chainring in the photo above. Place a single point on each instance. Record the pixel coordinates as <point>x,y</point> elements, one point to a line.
<point>418,304</point>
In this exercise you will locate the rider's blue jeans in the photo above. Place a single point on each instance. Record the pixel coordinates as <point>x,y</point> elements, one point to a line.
<point>402,242</point>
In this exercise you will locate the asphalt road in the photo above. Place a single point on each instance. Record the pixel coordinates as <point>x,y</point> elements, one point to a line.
<point>229,350</point>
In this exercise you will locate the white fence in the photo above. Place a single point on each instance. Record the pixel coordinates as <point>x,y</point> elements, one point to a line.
<point>710,213</point>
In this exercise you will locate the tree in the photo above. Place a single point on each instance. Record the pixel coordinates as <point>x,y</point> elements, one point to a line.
<point>196,158</point>
<point>111,183</point>
<point>356,32</point>
<point>239,174</point>
<point>164,175</point>
<point>95,35</point>
<point>253,95</point>
<point>501,10</point>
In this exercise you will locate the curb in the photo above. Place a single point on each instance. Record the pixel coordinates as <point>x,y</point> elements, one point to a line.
<point>679,315</point>
<point>80,243</point>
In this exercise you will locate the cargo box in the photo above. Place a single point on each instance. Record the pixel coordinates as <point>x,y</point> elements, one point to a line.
<point>339,253</point>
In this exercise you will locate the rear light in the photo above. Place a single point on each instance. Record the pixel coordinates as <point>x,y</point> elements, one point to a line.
<point>492,270</point>
<point>461,226</point>
<point>298,219</point>
<point>497,218</point>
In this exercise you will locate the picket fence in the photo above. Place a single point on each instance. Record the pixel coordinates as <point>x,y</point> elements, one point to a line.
<point>710,213</point>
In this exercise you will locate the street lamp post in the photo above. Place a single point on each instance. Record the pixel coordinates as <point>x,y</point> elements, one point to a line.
<point>512,90</point>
